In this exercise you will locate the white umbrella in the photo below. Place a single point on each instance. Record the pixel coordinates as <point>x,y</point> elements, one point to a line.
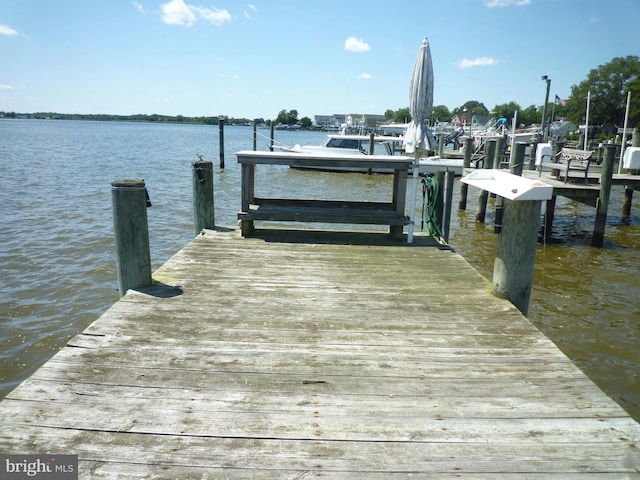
<point>418,137</point>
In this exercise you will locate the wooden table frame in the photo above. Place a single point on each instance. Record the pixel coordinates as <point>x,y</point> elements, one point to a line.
<point>325,211</point>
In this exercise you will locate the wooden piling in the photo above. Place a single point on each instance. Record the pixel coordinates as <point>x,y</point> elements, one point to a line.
<point>255,137</point>
<point>271,136</point>
<point>466,163</point>
<point>517,159</point>
<point>499,151</point>
<point>202,192</point>
<point>443,201</point>
<point>532,155</point>
<point>221,140</point>
<point>489,151</point>
<point>133,258</point>
<point>602,204</point>
<point>626,206</point>
<point>516,251</point>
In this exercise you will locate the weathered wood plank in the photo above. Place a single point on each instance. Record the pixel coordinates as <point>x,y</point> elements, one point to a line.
<point>264,358</point>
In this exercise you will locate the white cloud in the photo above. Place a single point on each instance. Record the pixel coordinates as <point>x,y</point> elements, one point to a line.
<point>8,31</point>
<point>6,87</point>
<point>364,76</point>
<point>594,19</point>
<point>213,15</point>
<point>477,62</point>
<point>506,3</point>
<point>139,7</point>
<point>248,13</point>
<point>353,44</point>
<point>176,12</point>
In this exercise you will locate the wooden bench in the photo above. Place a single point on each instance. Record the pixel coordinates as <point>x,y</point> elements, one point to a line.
<point>323,211</point>
<point>571,159</point>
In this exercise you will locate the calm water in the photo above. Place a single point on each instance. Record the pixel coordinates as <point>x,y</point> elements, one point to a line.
<point>58,263</point>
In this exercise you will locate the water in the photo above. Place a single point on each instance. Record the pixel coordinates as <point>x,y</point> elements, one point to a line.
<point>58,263</point>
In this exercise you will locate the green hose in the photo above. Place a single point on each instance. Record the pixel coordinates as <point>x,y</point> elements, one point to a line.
<point>430,190</point>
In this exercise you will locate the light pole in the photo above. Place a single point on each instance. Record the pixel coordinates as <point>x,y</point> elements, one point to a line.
<point>544,107</point>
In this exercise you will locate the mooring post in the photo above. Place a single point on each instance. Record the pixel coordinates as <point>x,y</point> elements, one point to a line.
<point>516,252</point>
<point>549,214</point>
<point>532,155</point>
<point>221,140</point>
<point>602,203</point>
<point>441,144</point>
<point>255,136</point>
<point>466,163</point>
<point>498,156</point>
<point>444,178</point>
<point>628,190</point>
<point>517,160</point>
<point>202,192</point>
<point>272,136</point>
<point>489,153</point>
<point>371,142</point>
<point>133,258</point>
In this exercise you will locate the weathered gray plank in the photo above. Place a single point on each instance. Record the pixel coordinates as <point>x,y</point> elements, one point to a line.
<point>270,358</point>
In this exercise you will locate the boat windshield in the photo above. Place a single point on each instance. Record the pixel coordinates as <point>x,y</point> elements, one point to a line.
<point>350,143</point>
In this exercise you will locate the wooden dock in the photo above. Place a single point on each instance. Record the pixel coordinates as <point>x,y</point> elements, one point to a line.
<point>290,355</point>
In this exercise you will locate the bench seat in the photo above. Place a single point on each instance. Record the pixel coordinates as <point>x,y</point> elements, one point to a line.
<point>571,159</point>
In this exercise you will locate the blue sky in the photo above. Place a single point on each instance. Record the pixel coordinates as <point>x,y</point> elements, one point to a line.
<point>254,58</point>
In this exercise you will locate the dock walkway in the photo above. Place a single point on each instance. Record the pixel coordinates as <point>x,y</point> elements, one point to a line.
<point>291,355</point>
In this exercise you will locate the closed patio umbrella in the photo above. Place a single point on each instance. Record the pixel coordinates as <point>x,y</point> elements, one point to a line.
<point>418,137</point>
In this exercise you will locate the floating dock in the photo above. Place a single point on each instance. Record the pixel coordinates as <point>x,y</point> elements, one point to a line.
<point>301,354</point>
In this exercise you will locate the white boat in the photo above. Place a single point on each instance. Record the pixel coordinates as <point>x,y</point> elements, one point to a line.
<point>356,145</point>
<point>339,144</point>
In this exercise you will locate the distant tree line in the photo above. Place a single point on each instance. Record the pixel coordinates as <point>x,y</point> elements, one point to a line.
<point>609,85</point>
<point>154,118</point>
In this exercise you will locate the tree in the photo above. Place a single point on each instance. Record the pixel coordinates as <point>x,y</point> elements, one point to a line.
<point>440,113</point>
<point>287,117</point>
<point>608,84</point>
<point>530,115</point>
<point>473,108</point>
<point>506,110</point>
<point>305,122</point>
<point>402,115</point>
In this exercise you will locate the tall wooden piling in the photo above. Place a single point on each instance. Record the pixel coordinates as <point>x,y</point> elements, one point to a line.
<point>466,163</point>
<point>498,156</point>
<point>202,192</point>
<point>133,258</point>
<point>441,139</point>
<point>532,155</point>
<point>255,137</point>
<point>602,204</point>
<point>490,152</point>
<point>516,252</point>
<point>221,140</point>
<point>271,136</point>
<point>443,201</point>
<point>517,159</point>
